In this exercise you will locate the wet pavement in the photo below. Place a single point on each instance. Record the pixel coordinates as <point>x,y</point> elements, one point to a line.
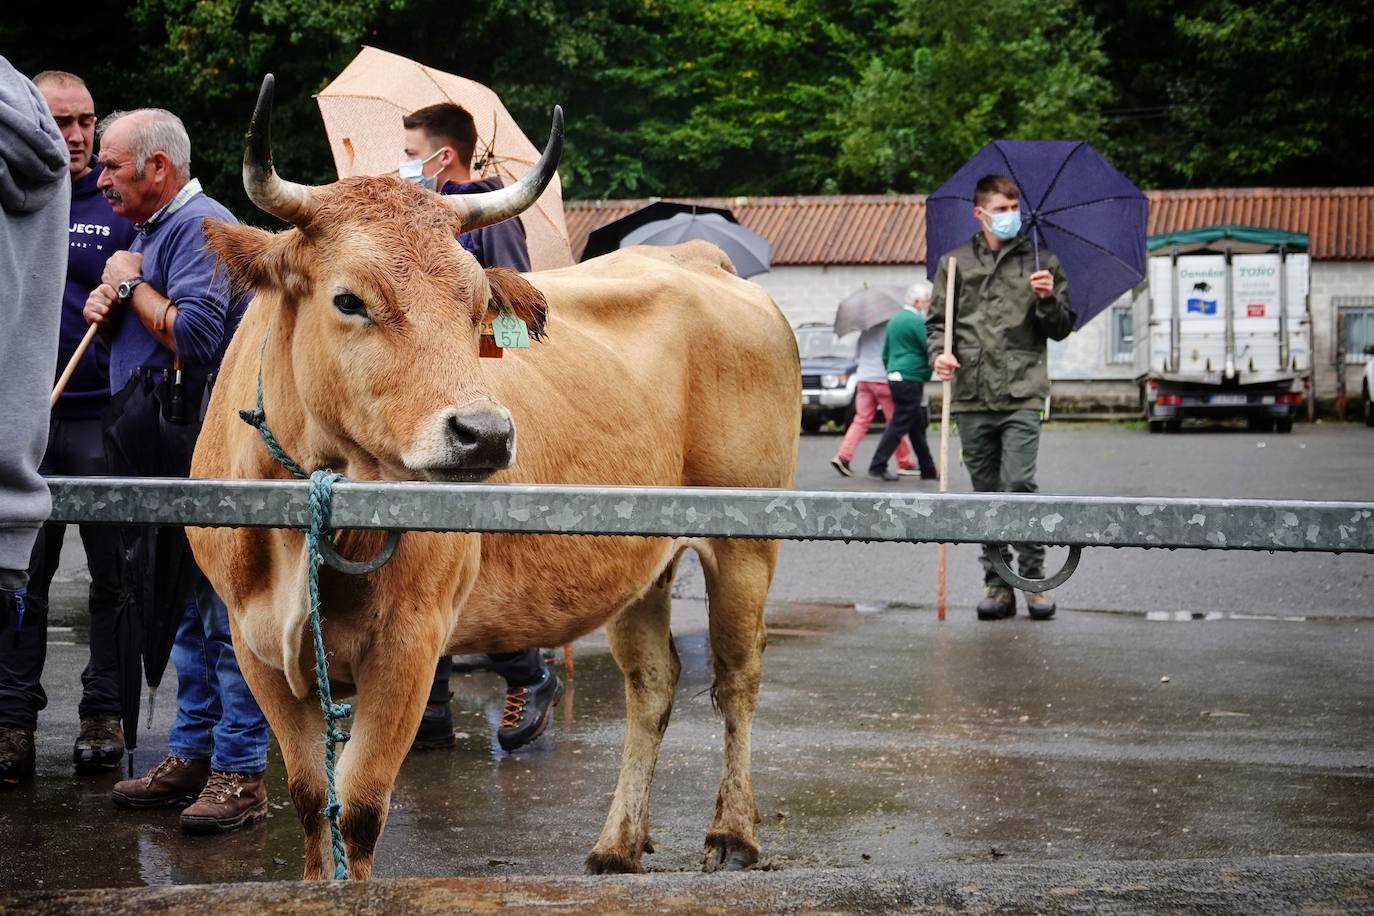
<point>887,743</point>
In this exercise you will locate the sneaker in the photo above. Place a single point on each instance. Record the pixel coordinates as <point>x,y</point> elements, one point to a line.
<point>999,604</point>
<point>436,729</point>
<point>228,801</point>
<point>16,756</point>
<point>173,783</point>
<point>883,474</point>
<point>1040,605</point>
<point>528,710</point>
<point>99,746</point>
<point>909,472</point>
<point>842,466</point>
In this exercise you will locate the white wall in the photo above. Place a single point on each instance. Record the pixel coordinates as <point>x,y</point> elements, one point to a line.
<point>1331,279</point>
<point>813,293</point>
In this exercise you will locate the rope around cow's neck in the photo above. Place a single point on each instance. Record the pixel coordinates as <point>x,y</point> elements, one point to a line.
<point>321,495</point>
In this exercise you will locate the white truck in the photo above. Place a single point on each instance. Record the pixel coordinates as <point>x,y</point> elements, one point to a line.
<point>1223,328</point>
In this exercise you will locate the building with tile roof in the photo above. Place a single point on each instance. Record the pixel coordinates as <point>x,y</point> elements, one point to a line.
<point>825,247</point>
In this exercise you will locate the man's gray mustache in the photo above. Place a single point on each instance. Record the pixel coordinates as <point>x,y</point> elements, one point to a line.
<point>112,195</point>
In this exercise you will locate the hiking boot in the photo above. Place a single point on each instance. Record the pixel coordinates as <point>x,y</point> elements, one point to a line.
<point>436,729</point>
<point>173,783</point>
<point>842,466</point>
<point>999,604</point>
<point>16,756</point>
<point>99,746</point>
<point>1040,605</point>
<point>528,710</point>
<point>228,801</point>
<point>883,474</point>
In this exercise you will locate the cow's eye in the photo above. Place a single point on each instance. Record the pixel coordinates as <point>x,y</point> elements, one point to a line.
<point>350,304</point>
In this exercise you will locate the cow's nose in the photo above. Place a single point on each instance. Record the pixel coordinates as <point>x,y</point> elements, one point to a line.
<point>480,436</point>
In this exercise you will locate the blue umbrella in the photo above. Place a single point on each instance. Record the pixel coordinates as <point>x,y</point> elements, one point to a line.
<point>1072,202</point>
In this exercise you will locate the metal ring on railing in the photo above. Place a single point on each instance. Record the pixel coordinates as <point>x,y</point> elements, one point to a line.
<point>1035,585</point>
<point>361,567</point>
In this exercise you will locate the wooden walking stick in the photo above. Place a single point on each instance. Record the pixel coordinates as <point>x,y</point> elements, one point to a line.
<point>944,428</point>
<point>71,365</point>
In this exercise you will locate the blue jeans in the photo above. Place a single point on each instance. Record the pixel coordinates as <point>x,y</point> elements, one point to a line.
<point>217,717</point>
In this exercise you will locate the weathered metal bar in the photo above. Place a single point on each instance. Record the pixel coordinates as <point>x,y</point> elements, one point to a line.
<point>1087,521</point>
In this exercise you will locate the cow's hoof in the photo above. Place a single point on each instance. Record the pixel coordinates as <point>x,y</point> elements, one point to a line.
<point>612,863</point>
<point>728,853</point>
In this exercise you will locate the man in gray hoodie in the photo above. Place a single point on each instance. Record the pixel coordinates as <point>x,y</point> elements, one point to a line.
<point>35,194</point>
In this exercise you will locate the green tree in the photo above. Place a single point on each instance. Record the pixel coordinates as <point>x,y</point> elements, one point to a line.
<point>951,76</point>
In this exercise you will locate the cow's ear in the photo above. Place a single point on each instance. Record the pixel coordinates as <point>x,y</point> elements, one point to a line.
<point>257,259</point>
<point>511,291</point>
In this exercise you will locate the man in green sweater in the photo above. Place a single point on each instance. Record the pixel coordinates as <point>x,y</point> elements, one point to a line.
<point>908,370</point>
<point>1006,307</point>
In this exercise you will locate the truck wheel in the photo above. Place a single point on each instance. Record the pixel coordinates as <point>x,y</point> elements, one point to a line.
<point>1283,424</point>
<point>1368,408</point>
<point>1259,424</point>
<point>1173,426</point>
<point>811,424</point>
<point>1156,426</point>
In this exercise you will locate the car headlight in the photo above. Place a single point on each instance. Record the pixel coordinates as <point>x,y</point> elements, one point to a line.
<point>834,381</point>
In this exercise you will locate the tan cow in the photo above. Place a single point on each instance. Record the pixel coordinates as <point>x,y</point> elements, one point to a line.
<point>660,368</point>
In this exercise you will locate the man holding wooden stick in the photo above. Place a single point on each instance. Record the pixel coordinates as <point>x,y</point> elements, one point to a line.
<point>1010,298</point>
<point>75,447</point>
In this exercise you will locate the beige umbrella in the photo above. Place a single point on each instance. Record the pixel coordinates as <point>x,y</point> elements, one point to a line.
<point>362,110</point>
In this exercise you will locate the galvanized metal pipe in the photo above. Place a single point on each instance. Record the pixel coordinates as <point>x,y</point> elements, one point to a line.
<point>1086,521</point>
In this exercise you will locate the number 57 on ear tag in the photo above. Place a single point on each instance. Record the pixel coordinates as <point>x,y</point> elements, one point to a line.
<point>510,332</point>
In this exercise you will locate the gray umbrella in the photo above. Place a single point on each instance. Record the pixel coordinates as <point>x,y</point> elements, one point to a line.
<point>870,305</point>
<point>750,252</point>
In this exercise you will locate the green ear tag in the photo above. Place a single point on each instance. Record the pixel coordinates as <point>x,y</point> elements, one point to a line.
<point>510,332</point>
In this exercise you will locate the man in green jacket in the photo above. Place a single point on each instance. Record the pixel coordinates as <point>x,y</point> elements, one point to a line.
<point>908,370</point>
<point>1005,309</point>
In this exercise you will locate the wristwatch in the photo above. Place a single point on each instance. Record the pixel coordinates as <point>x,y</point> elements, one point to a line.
<point>126,287</point>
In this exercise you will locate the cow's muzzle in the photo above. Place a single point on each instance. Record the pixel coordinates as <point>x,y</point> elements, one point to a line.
<point>464,443</point>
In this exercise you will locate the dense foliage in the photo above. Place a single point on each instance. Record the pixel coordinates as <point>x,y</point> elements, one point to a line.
<point>726,97</point>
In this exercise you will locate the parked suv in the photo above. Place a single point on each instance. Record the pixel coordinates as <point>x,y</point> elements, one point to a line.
<point>829,370</point>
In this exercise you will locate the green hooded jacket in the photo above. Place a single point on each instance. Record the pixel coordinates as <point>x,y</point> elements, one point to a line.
<point>1000,325</point>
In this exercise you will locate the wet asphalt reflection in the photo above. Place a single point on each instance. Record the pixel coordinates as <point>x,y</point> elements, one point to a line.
<point>884,738</point>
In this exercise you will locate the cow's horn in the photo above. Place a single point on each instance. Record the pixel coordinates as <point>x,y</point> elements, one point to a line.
<point>284,199</point>
<point>487,207</point>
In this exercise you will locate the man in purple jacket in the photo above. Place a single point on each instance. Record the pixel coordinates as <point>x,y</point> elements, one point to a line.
<point>75,447</point>
<point>169,315</point>
<point>439,145</point>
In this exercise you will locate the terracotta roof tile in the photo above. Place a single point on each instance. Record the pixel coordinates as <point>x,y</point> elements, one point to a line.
<point>890,229</point>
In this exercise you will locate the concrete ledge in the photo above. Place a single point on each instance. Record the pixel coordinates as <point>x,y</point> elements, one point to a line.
<point>1326,884</point>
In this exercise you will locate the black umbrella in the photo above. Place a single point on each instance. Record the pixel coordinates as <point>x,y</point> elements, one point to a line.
<point>607,238</point>
<point>150,431</point>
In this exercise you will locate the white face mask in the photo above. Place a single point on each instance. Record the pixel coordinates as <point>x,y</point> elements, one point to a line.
<point>414,170</point>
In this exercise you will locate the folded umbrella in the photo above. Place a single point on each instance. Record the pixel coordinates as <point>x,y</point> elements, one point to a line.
<point>869,306</point>
<point>750,252</point>
<point>1072,202</point>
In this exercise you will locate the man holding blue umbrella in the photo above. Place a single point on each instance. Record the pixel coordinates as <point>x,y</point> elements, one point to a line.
<point>1010,298</point>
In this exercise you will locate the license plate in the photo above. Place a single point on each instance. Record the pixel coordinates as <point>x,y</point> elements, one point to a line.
<point>1229,399</point>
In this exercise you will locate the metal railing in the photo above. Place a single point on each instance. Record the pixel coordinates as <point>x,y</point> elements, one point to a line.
<point>1073,521</point>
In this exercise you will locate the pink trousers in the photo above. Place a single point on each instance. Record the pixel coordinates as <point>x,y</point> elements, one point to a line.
<point>867,400</point>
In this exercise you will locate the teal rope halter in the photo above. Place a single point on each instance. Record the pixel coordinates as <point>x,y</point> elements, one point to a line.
<point>321,496</point>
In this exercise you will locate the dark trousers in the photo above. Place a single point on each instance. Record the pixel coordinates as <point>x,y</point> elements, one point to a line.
<point>520,669</point>
<point>75,447</point>
<point>908,418</point>
<point>1000,450</point>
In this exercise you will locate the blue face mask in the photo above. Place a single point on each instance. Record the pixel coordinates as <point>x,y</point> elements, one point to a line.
<point>414,170</point>
<point>1005,225</point>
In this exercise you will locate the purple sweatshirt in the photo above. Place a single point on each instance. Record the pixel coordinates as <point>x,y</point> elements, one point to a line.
<point>94,233</point>
<point>177,264</point>
<point>499,245</point>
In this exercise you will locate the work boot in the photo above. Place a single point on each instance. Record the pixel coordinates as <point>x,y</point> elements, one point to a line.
<point>1040,605</point>
<point>436,729</point>
<point>16,756</point>
<point>173,783</point>
<point>228,801</point>
<point>99,746</point>
<point>999,604</point>
<point>528,710</point>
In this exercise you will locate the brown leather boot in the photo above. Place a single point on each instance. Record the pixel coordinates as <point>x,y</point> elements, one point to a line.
<point>16,756</point>
<point>999,604</point>
<point>174,782</point>
<point>228,801</point>
<point>1040,604</point>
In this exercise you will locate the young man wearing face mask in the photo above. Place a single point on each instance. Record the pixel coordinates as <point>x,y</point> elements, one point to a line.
<point>439,144</point>
<point>1010,298</point>
<point>440,141</point>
